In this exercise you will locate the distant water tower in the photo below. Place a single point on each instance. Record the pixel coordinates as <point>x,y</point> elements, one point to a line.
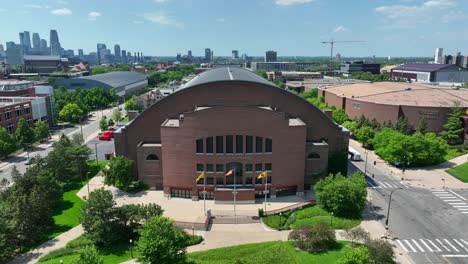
<point>439,52</point>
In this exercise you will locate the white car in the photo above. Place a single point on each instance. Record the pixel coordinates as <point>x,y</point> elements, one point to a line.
<point>29,161</point>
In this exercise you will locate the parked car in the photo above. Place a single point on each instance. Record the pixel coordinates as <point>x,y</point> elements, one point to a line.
<point>107,136</point>
<point>29,161</point>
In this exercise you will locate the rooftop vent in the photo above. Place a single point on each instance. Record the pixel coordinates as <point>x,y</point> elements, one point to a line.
<point>408,89</point>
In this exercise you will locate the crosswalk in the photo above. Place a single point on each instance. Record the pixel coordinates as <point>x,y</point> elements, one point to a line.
<point>385,185</point>
<point>423,245</point>
<point>453,199</point>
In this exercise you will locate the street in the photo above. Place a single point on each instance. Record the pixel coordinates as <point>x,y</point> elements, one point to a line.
<point>90,132</point>
<point>430,225</point>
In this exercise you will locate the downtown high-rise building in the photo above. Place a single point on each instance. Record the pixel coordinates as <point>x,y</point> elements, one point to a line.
<point>43,44</point>
<point>14,53</point>
<point>117,53</point>
<point>235,55</point>
<point>129,57</point>
<point>2,50</point>
<point>124,56</point>
<point>27,40</point>
<point>208,54</point>
<point>438,56</point>
<point>100,47</point>
<point>55,48</point>
<point>36,41</point>
<point>270,56</point>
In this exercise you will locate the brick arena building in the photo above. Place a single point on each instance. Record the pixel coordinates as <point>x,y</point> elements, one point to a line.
<point>229,118</point>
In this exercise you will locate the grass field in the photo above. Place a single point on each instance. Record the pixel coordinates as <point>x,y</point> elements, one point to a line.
<point>460,172</point>
<point>269,252</point>
<point>67,214</point>
<point>308,216</point>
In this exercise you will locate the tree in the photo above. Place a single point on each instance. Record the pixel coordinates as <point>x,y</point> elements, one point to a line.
<point>262,73</point>
<point>343,196</point>
<point>24,133</point>
<point>7,246</point>
<point>119,172</point>
<point>422,126</point>
<point>103,124</point>
<point>71,112</point>
<point>131,104</point>
<point>356,234</point>
<point>318,237</point>
<point>340,116</point>
<point>7,143</point>
<point>365,134</point>
<point>403,126</point>
<point>116,115</point>
<point>98,217</point>
<point>454,127</point>
<point>380,251</point>
<point>41,130</point>
<point>110,122</point>
<point>88,255</point>
<point>357,256</point>
<point>161,242</point>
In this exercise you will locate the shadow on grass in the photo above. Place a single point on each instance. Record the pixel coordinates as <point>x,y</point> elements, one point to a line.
<point>119,249</point>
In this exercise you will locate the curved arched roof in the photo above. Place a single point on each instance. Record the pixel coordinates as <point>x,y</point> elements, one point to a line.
<point>116,79</point>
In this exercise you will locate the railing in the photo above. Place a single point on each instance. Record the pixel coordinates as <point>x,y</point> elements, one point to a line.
<point>290,207</point>
<point>195,225</point>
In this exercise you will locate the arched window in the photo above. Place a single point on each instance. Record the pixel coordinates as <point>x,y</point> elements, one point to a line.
<point>152,157</point>
<point>313,155</point>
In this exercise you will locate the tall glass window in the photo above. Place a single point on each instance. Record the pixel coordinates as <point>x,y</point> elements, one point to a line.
<point>219,167</point>
<point>258,144</point>
<point>200,167</point>
<point>248,167</point>
<point>209,167</point>
<point>209,145</point>
<point>199,146</point>
<point>219,144</point>
<point>229,144</point>
<point>239,144</point>
<point>248,144</point>
<point>268,145</point>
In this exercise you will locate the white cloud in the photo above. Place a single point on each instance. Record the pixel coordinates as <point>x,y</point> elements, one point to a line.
<point>221,20</point>
<point>61,12</point>
<point>137,22</point>
<point>440,4</point>
<point>340,28</point>
<point>93,15</point>
<point>292,2</point>
<point>39,6</point>
<point>62,2</point>
<point>163,20</point>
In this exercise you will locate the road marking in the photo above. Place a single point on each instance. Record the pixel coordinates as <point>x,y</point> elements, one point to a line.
<point>455,200</point>
<point>464,212</point>
<point>451,245</point>
<point>457,206</point>
<point>462,240</point>
<point>444,195</point>
<point>456,203</point>
<point>424,243</point>
<point>438,249</point>
<point>460,244</point>
<point>455,256</point>
<point>416,243</point>
<point>461,197</point>
<point>442,244</point>
<point>441,192</point>
<point>409,245</point>
<point>401,245</point>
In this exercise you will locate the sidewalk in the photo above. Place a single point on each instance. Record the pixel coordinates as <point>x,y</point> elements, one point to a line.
<point>431,177</point>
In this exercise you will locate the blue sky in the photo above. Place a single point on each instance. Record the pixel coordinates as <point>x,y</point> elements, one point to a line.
<point>291,27</point>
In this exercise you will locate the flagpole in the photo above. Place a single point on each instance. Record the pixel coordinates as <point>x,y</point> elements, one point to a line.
<point>204,194</point>
<point>234,192</point>
<point>266,182</point>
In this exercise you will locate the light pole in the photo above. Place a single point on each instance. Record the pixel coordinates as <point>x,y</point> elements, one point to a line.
<point>281,219</point>
<point>81,128</point>
<point>87,181</point>
<point>331,220</point>
<point>193,231</point>
<point>95,150</point>
<point>365,165</point>
<point>389,202</point>
<point>61,261</point>
<point>131,248</point>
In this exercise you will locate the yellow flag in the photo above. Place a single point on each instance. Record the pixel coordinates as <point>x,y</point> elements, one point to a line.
<point>202,175</point>
<point>262,175</point>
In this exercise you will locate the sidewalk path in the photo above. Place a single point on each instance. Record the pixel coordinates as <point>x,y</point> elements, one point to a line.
<point>431,177</point>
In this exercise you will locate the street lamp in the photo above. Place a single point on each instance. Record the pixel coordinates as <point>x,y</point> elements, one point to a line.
<point>389,202</point>
<point>331,220</point>
<point>87,181</point>
<point>365,165</point>
<point>95,150</point>
<point>131,248</point>
<point>193,231</point>
<point>61,261</point>
<point>281,218</point>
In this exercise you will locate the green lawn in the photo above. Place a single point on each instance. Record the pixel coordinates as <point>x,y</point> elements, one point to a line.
<point>67,214</point>
<point>308,216</point>
<point>460,172</point>
<point>453,152</point>
<point>269,252</point>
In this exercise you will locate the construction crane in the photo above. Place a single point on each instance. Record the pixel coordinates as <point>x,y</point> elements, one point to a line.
<point>332,42</point>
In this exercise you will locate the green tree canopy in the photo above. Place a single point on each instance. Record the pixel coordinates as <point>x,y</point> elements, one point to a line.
<point>343,196</point>
<point>71,113</point>
<point>365,135</point>
<point>24,133</point>
<point>88,255</point>
<point>340,116</point>
<point>41,130</point>
<point>119,172</point>
<point>7,143</point>
<point>103,124</point>
<point>116,115</point>
<point>161,242</point>
<point>453,129</point>
<point>131,104</point>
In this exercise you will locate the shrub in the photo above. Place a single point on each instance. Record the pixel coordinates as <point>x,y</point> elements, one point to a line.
<point>357,234</point>
<point>357,256</point>
<point>380,251</point>
<point>316,238</point>
<point>260,212</point>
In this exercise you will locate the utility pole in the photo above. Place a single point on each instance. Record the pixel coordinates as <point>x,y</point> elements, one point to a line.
<point>332,43</point>
<point>365,165</point>
<point>389,203</point>
<point>95,150</point>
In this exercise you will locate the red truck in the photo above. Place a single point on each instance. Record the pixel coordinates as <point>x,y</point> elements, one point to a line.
<point>107,135</point>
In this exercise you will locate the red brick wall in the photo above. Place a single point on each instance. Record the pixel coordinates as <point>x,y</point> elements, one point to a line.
<point>381,112</point>
<point>333,99</point>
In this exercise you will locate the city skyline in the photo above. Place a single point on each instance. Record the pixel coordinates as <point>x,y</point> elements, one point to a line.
<point>290,27</point>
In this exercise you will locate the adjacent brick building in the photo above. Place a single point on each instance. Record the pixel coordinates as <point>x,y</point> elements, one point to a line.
<point>229,118</point>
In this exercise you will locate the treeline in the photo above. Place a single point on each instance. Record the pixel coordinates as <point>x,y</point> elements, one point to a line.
<point>101,70</point>
<point>27,207</point>
<point>71,106</point>
<point>181,71</point>
<point>367,76</point>
<point>338,115</point>
<point>24,136</point>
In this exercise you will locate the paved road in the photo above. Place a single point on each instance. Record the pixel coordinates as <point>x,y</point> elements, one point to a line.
<point>90,130</point>
<point>430,225</point>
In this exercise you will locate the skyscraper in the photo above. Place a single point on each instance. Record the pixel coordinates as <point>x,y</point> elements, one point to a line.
<point>27,40</point>
<point>36,41</point>
<point>14,53</point>
<point>21,38</point>
<point>129,57</point>
<point>270,56</point>
<point>2,50</point>
<point>80,54</point>
<point>43,44</point>
<point>235,54</point>
<point>438,56</point>
<point>124,56</point>
<point>208,54</point>
<point>189,53</point>
<point>100,47</point>
<point>117,53</point>
<point>55,48</point>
